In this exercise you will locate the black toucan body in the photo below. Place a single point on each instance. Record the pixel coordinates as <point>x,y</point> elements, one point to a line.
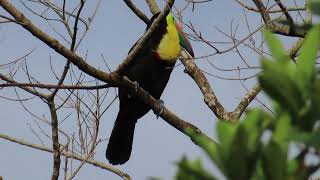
<point>151,70</point>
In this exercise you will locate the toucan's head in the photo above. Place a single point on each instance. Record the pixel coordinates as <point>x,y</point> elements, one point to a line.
<point>172,41</point>
<point>183,39</point>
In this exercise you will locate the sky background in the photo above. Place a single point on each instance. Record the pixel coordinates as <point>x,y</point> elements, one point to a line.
<point>157,146</point>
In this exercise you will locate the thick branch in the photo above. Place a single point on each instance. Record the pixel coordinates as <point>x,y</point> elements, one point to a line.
<point>166,114</point>
<point>246,100</point>
<point>210,98</point>
<point>153,6</point>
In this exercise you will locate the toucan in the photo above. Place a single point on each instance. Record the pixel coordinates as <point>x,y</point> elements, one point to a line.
<point>151,70</point>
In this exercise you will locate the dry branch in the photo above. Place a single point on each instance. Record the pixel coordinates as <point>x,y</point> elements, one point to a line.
<point>285,30</point>
<point>68,154</point>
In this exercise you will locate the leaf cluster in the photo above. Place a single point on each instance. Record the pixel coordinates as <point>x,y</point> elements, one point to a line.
<point>258,147</point>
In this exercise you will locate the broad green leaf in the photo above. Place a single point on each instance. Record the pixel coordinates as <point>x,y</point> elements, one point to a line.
<point>226,132</point>
<point>274,161</point>
<point>310,139</point>
<point>281,87</point>
<point>209,146</point>
<point>275,46</point>
<point>315,100</point>
<point>310,113</point>
<point>192,170</point>
<point>237,162</point>
<point>256,122</point>
<point>293,165</point>
<point>315,7</point>
<point>282,132</point>
<point>306,60</point>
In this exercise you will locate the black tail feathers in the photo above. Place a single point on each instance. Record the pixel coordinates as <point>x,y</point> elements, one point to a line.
<point>120,142</point>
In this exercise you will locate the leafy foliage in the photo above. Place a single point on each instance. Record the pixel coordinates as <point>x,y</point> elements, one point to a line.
<point>258,147</point>
<point>314,6</point>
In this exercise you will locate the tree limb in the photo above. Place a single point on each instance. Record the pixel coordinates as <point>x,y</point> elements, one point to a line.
<point>285,30</point>
<point>137,11</point>
<point>209,96</point>
<point>68,154</point>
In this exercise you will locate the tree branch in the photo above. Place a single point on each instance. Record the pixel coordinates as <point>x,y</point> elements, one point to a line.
<point>137,11</point>
<point>166,114</point>
<point>153,6</point>
<point>51,86</point>
<point>69,154</point>
<point>285,30</point>
<point>55,140</point>
<point>209,96</point>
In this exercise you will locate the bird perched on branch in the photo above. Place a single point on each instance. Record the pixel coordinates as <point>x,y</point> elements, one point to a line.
<point>151,70</point>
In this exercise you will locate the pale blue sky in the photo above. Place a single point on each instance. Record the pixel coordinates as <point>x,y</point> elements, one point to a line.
<point>157,145</point>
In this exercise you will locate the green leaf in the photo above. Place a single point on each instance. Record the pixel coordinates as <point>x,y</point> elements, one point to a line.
<point>192,170</point>
<point>282,130</point>
<point>279,85</point>
<point>274,161</point>
<point>315,7</point>
<point>293,165</point>
<point>307,58</point>
<point>256,122</point>
<point>209,146</point>
<point>315,100</point>
<point>226,132</point>
<point>236,161</point>
<point>310,139</point>
<point>275,46</point>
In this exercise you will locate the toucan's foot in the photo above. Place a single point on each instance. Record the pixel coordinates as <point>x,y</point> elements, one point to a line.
<point>136,86</point>
<point>161,102</point>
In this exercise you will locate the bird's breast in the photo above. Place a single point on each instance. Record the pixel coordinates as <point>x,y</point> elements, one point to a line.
<point>169,47</point>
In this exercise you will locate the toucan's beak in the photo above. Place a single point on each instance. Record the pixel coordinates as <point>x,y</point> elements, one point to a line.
<point>184,41</point>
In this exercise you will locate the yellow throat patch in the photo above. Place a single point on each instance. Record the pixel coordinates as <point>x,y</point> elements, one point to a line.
<point>169,47</point>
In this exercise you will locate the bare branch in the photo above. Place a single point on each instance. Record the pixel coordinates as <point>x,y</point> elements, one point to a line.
<point>50,86</point>
<point>285,30</point>
<point>55,140</point>
<point>153,6</point>
<point>270,10</point>
<point>137,11</point>
<point>209,96</point>
<point>68,154</point>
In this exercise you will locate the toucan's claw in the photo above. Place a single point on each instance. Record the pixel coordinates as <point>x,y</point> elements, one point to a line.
<point>161,102</point>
